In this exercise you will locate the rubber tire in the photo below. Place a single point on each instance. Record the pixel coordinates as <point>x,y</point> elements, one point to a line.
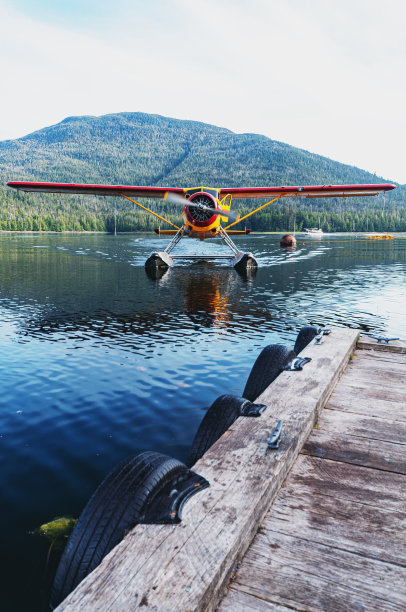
<point>304,337</point>
<point>269,364</point>
<point>219,417</point>
<point>116,506</point>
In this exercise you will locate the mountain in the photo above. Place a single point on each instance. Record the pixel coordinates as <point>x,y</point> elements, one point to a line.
<point>142,149</point>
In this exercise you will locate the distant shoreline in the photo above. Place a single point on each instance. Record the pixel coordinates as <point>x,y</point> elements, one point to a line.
<point>86,233</point>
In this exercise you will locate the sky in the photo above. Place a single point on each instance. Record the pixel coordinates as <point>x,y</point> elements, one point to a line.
<point>321,75</point>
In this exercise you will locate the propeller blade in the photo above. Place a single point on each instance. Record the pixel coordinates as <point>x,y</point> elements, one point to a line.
<point>175,198</point>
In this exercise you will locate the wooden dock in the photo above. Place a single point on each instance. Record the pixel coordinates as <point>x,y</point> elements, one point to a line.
<point>320,530</point>
<point>335,537</point>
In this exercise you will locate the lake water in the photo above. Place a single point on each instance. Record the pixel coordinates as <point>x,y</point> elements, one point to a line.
<point>99,361</point>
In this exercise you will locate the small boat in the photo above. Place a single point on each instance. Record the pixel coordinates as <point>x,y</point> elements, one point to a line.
<point>314,230</point>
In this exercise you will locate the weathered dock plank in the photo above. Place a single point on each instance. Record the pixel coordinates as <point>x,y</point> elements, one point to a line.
<point>239,601</point>
<point>305,575</point>
<point>383,359</point>
<point>382,399</point>
<point>363,426</point>
<point>314,476</point>
<point>186,567</point>
<point>341,522</point>
<point>334,539</point>
<point>378,369</point>
<point>350,399</point>
<point>380,377</point>
<point>346,448</point>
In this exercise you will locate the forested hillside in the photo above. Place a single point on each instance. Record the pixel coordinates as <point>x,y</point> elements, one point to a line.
<point>141,149</point>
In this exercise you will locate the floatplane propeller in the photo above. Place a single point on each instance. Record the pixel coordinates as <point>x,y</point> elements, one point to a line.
<point>204,209</point>
<point>198,204</point>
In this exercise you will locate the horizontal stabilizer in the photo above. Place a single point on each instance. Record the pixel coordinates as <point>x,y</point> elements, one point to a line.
<point>165,232</point>
<point>173,232</point>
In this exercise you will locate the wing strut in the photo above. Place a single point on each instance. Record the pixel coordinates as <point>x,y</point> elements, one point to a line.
<point>150,211</point>
<point>253,211</point>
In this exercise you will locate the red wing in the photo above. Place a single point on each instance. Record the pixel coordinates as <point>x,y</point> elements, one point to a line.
<point>103,190</point>
<point>236,192</point>
<point>309,191</point>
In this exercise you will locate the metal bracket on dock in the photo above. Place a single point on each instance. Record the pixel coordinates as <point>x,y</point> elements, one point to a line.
<point>322,332</point>
<point>166,507</point>
<point>248,409</point>
<point>297,363</point>
<point>382,339</point>
<point>275,438</point>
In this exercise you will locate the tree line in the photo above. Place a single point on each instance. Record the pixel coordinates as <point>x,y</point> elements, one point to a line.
<point>42,212</point>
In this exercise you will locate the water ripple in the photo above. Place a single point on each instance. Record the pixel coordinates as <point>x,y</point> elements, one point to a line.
<point>99,361</point>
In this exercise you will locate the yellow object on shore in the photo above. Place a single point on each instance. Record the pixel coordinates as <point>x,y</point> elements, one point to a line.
<point>380,237</point>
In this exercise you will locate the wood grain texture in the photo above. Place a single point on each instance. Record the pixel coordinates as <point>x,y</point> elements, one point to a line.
<point>341,521</point>
<point>362,426</point>
<point>374,366</point>
<point>313,477</point>
<point>353,392</point>
<point>306,575</point>
<point>379,383</point>
<point>350,399</point>
<point>239,601</point>
<point>187,567</point>
<point>347,448</point>
<point>380,357</point>
<point>383,382</point>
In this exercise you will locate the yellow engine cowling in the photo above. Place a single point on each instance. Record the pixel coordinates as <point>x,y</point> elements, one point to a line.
<point>200,223</point>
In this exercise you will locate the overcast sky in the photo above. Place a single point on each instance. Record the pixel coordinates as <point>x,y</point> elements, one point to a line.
<point>327,76</point>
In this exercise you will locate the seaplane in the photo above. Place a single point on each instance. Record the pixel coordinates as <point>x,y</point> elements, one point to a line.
<point>206,211</point>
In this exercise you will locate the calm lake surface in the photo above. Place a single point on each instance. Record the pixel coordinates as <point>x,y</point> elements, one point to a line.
<point>98,361</point>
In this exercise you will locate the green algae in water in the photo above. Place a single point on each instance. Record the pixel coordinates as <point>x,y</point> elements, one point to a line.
<point>57,531</point>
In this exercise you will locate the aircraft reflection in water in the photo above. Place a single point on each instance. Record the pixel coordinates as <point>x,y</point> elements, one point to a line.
<point>207,297</point>
<point>59,293</point>
<point>210,294</point>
